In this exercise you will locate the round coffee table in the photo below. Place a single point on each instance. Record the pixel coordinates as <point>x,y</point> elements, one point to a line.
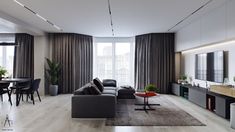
<point>146,96</point>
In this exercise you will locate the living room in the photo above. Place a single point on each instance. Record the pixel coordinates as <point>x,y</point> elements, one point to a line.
<point>109,65</point>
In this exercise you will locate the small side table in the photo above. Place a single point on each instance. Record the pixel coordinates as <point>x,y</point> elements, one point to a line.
<point>146,104</point>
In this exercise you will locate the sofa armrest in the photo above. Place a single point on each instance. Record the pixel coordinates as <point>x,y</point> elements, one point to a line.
<point>93,106</point>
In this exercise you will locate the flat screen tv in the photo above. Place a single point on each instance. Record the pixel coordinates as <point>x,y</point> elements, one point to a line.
<point>210,66</point>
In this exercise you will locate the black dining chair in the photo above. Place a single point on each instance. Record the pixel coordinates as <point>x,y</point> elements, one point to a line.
<point>30,91</point>
<point>21,85</point>
<point>4,89</point>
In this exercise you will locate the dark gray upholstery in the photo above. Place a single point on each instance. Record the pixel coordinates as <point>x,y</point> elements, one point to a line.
<point>126,93</point>
<point>84,90</point>
<point>109,83</point>
<point>93,106</point>
<point>93,89</point>
<point>99,84</point>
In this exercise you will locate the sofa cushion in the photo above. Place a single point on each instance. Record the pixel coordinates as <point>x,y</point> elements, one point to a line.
<point>93,90</point>
<point>84,90</point>
<point>113,92</point>
<point>99,84</point>
<point>109,83</point>
<point>126,93</point>
<point>110,88</point>
<point>126,90</point>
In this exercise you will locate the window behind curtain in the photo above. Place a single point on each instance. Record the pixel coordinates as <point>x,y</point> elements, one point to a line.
<point>113,59</point>
<point>104,62</point>
<point>7,47</point>
<point>6,58</point>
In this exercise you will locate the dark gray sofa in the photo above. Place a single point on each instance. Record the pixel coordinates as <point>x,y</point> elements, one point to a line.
<point>96,106</point>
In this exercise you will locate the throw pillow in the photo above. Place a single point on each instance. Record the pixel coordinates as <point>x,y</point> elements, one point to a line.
<point>79,92</point>
<point>99,84</point>
<point>93,89</point>
<point>84,90</point>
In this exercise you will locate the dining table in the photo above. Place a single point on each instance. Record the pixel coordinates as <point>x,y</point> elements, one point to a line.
<point>15,81</point>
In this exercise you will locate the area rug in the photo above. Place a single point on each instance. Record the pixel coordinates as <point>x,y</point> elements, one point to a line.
<point>167,114</point>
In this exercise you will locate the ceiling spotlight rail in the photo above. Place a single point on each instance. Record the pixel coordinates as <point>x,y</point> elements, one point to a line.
<point>39,16</point>
<point>111,18</point>
<point>190,14</point>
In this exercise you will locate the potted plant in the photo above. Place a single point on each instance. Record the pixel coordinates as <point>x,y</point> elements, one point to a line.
<point>183,77</point>
<point>3,71</point>
<point>52,75</point>
<point>151,88</point>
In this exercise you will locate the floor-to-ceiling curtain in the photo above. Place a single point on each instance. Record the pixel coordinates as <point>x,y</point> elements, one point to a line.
<point>74,52</point>
<point>24,56</point>
<point>142,61</point>
<point>154,60</point>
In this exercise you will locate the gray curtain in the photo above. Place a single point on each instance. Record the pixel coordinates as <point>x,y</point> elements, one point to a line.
<point>154,61</point>
<point>75,54</point>
<point>24,56</point>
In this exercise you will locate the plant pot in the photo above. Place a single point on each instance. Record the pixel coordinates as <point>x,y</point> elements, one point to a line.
<point>53,90</point>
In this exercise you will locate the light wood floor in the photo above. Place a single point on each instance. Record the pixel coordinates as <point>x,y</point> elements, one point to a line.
<point>53,115</point>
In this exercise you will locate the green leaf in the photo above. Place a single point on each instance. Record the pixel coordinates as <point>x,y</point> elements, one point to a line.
<point>3,71</point>
<point>152,88</point>
<point>52,71</point>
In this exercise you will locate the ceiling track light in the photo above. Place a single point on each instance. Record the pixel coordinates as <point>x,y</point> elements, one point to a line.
<point>39,16</point>
<point>190,15</point>
<point>111,18</point>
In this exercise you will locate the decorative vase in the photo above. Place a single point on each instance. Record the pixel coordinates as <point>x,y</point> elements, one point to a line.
<point>53,90</point>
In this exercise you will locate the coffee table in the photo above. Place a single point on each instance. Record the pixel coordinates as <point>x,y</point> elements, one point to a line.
<point>146,104</point>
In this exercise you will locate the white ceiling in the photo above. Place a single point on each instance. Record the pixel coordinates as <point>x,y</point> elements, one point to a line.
<point>91,17</point>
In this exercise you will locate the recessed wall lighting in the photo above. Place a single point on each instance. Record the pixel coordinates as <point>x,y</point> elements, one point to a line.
<point>39,16</point>
<point>212,45</point>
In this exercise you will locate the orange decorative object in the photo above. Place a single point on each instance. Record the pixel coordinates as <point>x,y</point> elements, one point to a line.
<point>146,94</point>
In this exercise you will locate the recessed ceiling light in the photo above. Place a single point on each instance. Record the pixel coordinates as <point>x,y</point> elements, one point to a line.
<point>39,16</point>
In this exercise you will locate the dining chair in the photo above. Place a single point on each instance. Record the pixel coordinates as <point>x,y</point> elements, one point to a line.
<point>21,85</point>
<point>30,91</point>
<point>4,89</point>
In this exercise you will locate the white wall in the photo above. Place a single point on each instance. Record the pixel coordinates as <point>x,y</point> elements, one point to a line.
<point>41,50</point>
<point>188,59</point>
<point>217,25</point>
